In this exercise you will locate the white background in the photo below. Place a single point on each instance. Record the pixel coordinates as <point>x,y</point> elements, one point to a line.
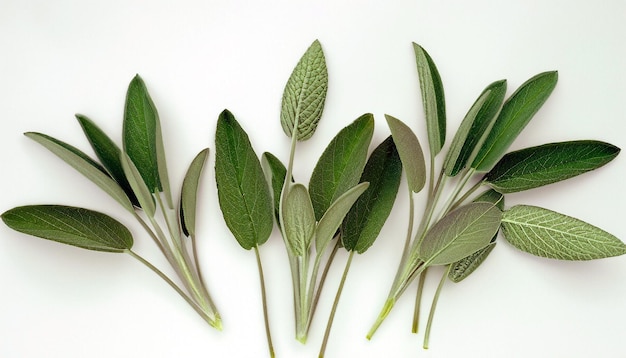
<point>59,58</point>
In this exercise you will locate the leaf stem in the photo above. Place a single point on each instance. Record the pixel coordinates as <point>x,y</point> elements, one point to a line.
<point>418,300</point>
<point>433,307</point>
<point>264,299</point>
<point>329,262</point>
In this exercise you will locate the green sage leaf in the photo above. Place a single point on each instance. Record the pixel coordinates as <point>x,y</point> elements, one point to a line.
<point>243,193</point>
<point>546,233</point>
<point>298,220</point>
<point>143,194</point>
<point>410,152</point>
<point>84,165</point>
<point>460,233</point>
<point>275,173</point>
<point>74,226</point>
<point>433,99</point>
<point>461,269</point>
<point>305,93</point>
<point>491,196</point>
<point>516,112</point>
<point>340,166</point>
<point>364,221</point>
<point>546,164</point>
<point>189,193</point>
<point>474,128</point>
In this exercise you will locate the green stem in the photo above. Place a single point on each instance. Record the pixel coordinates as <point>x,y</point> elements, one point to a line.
<point>264,299</point>
<point>433,307</point>
<point>418,300</point>
<point>335,304</point>
<point>329,262</point>
<point>466,195</point>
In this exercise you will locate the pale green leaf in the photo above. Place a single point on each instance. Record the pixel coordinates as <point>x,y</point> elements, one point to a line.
<point>298,220</point>
<point>189,193</point>
<point>143,194</point>
<point>410,152</point>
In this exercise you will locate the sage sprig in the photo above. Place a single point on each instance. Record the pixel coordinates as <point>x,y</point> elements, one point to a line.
<point>136,177</point>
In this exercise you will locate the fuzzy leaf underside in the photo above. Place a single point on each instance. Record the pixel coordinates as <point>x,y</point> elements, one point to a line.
<point>410,151</point>
<point>546,233</point>
<point>298,220</point>
<point>189,193</point>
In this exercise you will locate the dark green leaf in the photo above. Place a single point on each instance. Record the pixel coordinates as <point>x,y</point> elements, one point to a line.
<point>466,266</point>
<point>340,166</point>
<point>546,164</point>
<point>70,225</point>
<point>143,194</point>
<point>474,127</point>
<point>516,112</point>
<point>275,173</point>
<point>368,215</point>
<point>546,233</point>
<point>305,93</point>
<point>85,165</point>
<point>491,196</point>
<point>189,193</point>
<point>410,151</point>
<point>243,193</point>
<point>298,220</point>
<point>433,99</point>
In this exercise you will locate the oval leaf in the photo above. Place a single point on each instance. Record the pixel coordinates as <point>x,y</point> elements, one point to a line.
<point>433,99</point>
<point>546,164</point>
<point>79,227</point>
<point>85,165</point>
<point>461,269</point>
<point>243,193</point>
<point>460,233</point>
<point>340,166</point>
<point>364,221</point>
<point>516,112</point>
<point>410,152</point>
<point>298,220</point>
<point>189,193</point>
<point>305,93</point>
<point>275,173</point>
<point>546,233</point>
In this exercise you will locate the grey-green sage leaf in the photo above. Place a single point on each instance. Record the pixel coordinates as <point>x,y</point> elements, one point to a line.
<point>189,193</point>
<point>143,194</point>
<point>298,220</point>
<point>410,152</point>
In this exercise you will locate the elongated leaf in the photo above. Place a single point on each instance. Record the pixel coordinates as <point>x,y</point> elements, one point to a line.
<point>546,164</point>
<point>299,220</point>
<point>243,193</point>
<point>275,173</point>
<point>74,226</point>
<point>546,233</point>
<point>433,99</point>
<point>491,196</point>
<point>474,128</point>
<point>460,233</point>
<point>85,165</point>
<point>330,222</point>
<point>461,269</point>
<point>340,166</point>
<point>189,193</point>
<point>162,166</point>
<point>143,194</point>
<point>410,152</point>
<point>516,112</point>
<point>305,93</point>
<point>140,133</point>
<point>364,221</point>
<point>108,153</point>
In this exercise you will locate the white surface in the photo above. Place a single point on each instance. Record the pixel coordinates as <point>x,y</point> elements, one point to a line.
<point>199,57</point>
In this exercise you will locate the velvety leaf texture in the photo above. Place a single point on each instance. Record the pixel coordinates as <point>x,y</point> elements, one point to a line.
<point>546,164</point>
<point>341,164</point>
<point>298,220</point>
<point>364,221</point>
<point>410,151</point>
<point>546,233</point>
<point>189,193</point>
<point>305,93</point>
<point>79,227</point>
<point>243,193</point>
<point>461,269</point>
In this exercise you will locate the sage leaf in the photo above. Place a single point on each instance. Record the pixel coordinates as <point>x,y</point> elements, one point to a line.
<point>305,94</point>
<point>410,151</point>
<point>189,193</point>
<point>140,133</point>
<point>367,216</point>
<point>330,222</point>
<point>546,164</point>
<point>341,164</point>
<point>275,172</point>
<point>298,220</point>
<point>84,165</point>
<point>474,128</point>
<point>516,112</point>
<point>108,153</point>
<point>460,233</point>
<point>546,233</point>
<point>243,193</point>
<point>74,226</point>
<point>461,269</point>
<point>433,99</point>
<point>143,194</point>
<point>491,196</point>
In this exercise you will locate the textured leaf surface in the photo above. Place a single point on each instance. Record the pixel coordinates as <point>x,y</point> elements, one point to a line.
<point>516,112</point>
<point>364,221</point>
<point>305,93</point>
<point>410,151</point>
<point>189,193</point>
<point>79,227</point>
<point>340,166</point>
<point>546,233</point>
<point>243,193</point>
<point>275,173</point>
<point>461,269</point>
<point>546,164</point>
<point>298,220</point>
